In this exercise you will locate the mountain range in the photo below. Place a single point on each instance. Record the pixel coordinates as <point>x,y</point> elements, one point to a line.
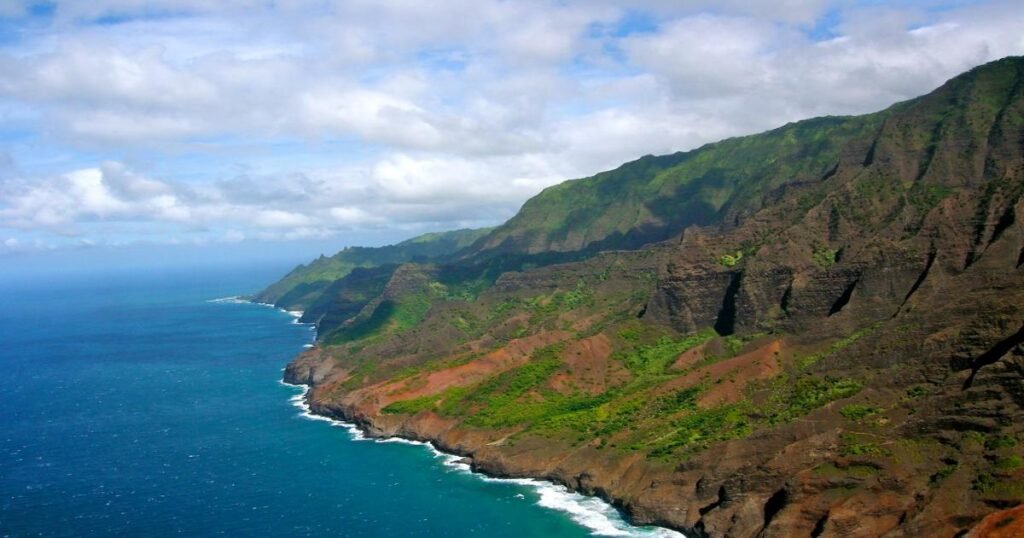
<point>816,330</point>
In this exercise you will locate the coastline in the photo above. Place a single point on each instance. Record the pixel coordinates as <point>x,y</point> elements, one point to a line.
<point>599,515</point>
<point>596,511</point>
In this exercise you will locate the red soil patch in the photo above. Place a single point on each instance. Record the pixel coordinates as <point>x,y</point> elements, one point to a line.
<point>737,372</point>
<point>1002,524</point>
<point>690,357</point>
<point>728,377</point>
<point>588,361</point>
<point>516,353</point>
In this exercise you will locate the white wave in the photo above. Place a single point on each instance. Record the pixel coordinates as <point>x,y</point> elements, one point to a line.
<point>234,299</point>
<point>591,512</point>
<point>598,516</point>
<point>296,315</point>
<point>299,401</point>
<point>293,313</point>
<point>401,441</point>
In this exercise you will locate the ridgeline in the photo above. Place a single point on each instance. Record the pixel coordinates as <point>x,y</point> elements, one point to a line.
<point>813,331</point>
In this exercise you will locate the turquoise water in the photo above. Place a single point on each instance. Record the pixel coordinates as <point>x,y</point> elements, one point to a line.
<point>132,404</point>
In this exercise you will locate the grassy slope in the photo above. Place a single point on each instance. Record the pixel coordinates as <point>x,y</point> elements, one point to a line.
<point>302,286</point>
<point>653,198</point>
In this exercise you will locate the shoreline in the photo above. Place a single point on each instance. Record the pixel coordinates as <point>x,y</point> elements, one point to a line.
<point>594,513</point>
<point>599,515</point>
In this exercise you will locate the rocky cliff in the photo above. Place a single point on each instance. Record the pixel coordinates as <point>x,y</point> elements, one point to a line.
<point>837,349</point>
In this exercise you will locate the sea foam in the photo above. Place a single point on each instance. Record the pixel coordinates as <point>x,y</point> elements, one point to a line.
<point>295,314</point>
<point>234,299</point>
<point>601,518</point>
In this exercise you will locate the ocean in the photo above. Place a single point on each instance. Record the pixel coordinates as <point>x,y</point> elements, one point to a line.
<point>147,403</point>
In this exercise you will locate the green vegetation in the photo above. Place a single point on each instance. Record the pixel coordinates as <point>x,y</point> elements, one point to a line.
<point>652,198</point>
<point>638,413</point>
<point>697,430</point>
<point>861,471</point>
<point>1002,489</point>
<point>918,391</point>
<point>733,344</point>
<point>858,412</point>
<point>304,284</point>
<point>983,482</point>
<point>413,406</point>
<point>792,400</point>
<point>730,260</point>
<point>656,358</point>
<point>852,444</point>
<point>560,301</point>
<point>521,397</point>
<point>823,256</point>
<point>923,197</point>
<point>497,402</point>
<point>498,397</point>
<point>388,317</point>
<point>836,347</point>
<point>996,442</point>
<point>1009,463</point>
<point>358,375</point>
<point>433,316</point>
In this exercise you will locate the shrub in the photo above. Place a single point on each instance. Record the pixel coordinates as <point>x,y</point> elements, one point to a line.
<point>918,391</point>
<point>730,260</point>
<point>851,446</point>
<point>805,395</point>
<point>823,256</point>
<point>995,442</point>
<point>1008,463</point>
<point>858,411</point>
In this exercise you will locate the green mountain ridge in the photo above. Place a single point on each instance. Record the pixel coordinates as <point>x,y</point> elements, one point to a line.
<point>812,331</point>
<point>301,287</point>
<point>654,198</point>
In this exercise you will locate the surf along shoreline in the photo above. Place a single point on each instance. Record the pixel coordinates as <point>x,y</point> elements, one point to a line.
<point>597,512</point>
<point>554,494</point>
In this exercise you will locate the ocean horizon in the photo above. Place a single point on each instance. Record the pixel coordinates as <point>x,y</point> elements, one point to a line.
<point>152,404</point>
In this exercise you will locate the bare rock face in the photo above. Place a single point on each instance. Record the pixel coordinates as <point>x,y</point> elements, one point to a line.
<point>309,368</point>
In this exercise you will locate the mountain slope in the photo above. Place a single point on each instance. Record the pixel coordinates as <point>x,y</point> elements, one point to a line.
<point>301,287</point>
<point>839,351</point>
<point>652,198</point>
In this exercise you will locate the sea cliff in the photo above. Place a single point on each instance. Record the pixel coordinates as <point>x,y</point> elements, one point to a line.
<point>812,331</point>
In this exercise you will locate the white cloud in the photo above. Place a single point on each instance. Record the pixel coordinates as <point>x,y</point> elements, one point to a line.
<point>400,190</point>
<point>742,68</point>
<point>442,113</point>
<point>371,115</point>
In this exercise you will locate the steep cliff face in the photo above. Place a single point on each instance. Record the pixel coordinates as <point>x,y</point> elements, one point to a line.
<point>936,281</point>
<point>840,352</point>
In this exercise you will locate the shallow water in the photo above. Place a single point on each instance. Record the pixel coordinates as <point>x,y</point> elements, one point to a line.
<point>135,405</point>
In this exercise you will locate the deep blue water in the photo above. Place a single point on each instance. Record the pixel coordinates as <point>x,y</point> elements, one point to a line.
<point>130,404</point>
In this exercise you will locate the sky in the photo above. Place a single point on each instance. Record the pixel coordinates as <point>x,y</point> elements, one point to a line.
<point>299,127</point>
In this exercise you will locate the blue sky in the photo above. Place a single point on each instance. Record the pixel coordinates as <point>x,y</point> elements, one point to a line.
<point>300,127</point>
